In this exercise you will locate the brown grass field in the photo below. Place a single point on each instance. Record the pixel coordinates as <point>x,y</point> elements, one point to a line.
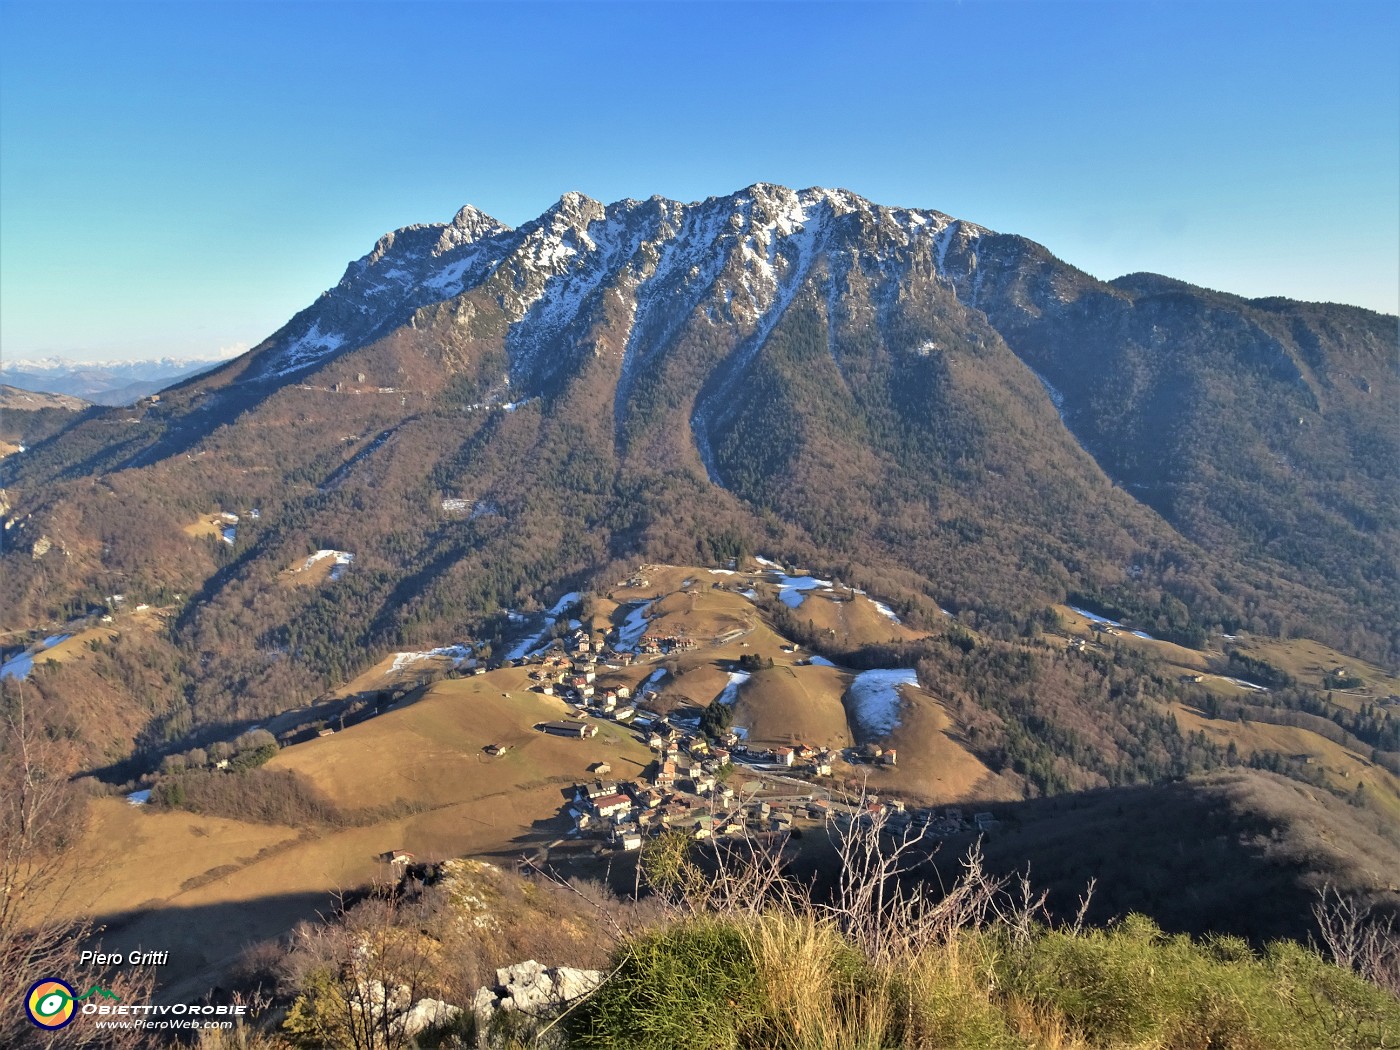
<point>158,852</point>
<point>205,525</point>
<point>795,705</point>
<point>934,764</point>
<point>851,622</point>
<point>1307,661</point>
<point>602,618</point>
<point>75,648</point>
<point>207,887</point>
<point>200,887</point>
<point>379,676</point>
<point>429,752</point>
<point>701,613</point>
<point>1343,767</point>
<point>658,580</point>
<point>699,679</point>
<point>299,574</point>
<point>1178,656</point>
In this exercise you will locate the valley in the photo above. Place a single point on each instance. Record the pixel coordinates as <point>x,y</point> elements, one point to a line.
<point>754,518</point>
<point>439,754</point>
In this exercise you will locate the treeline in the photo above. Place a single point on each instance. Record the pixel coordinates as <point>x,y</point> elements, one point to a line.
<point>1253,669</point>
<point>1327,728</point>
<point>265,796</point>
<point>1371,728</point>
<point>1059,720</point>
<point>246,751</point>
<point>1166,617</point>
<point>29,426</point>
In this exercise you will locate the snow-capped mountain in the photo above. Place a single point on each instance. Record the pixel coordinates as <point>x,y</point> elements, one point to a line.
<point>101,382</point>
<point>891,389</point>
<point>753,249</point>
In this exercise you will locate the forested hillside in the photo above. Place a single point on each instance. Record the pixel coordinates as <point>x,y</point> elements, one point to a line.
<point>477,418</point>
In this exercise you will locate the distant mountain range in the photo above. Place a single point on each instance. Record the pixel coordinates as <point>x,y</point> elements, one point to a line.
<point>950,415</point>
<point>102,382</point>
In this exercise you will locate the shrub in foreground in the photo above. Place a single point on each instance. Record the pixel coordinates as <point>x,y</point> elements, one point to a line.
<point>794,982</point>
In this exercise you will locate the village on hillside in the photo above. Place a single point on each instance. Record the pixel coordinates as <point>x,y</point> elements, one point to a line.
<point>705,784</point>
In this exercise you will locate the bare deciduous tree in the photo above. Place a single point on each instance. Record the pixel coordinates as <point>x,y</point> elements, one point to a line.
<point>359,976</point>
<point>1358,938</point>
<point>41,818</point>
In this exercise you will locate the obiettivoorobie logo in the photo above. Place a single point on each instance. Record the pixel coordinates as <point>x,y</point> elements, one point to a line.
<point>52,1003</point>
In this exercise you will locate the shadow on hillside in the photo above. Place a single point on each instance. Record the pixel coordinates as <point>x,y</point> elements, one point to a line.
<point>1193,859</point>
<point>296,726</point>
<point>1237,854</point>
<point>203,940</point>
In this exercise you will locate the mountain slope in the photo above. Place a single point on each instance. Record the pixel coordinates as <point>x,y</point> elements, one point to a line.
<point>862,388</point>
<point>1265,430</point>
<point>27,417</point>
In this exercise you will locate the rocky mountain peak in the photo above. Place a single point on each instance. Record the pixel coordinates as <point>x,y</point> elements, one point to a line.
<point>468,226</point>
<point>574,209</point>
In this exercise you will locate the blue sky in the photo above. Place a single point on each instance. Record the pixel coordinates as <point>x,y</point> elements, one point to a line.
<point>178,179</point>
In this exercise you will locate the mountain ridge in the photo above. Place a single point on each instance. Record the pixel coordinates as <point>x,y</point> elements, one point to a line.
<point>948,414</point>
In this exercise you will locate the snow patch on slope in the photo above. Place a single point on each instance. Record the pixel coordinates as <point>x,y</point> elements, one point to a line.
<point>1247,685</point>
<point>874,699</point>
<point>1096,618</point>
<point>885,611</point>
<point>792,590</point>
<point>306,351</point>
<point>342,559</point>
<point>458,653</point>
<point>539,639</point>
<point>688,263</point>
<point>18,667</point>
<point>730,692</point>
<point>772,280</point>
<point>633,628</point>
<point>1056,398</point>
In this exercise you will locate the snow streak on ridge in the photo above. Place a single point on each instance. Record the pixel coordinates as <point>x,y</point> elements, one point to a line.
<point>805,235</point>
<point>661,258</point>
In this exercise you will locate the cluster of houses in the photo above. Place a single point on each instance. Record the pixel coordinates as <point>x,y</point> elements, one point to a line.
<point>572,674</point>
<point>692,798</point>
<point>687,789</point>
<point>952,821</point>
<point>673,745</point>
<point>874,754</point>
<point>624,814</point>
<point>654,644</point>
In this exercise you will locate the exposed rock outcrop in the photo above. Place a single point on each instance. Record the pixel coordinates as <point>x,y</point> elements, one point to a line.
<point>528,996</point>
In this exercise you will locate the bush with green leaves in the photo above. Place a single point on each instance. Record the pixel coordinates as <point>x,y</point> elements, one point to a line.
<point>689,987</point>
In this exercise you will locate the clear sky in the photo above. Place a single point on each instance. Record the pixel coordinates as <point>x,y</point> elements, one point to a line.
<point>179,179</point>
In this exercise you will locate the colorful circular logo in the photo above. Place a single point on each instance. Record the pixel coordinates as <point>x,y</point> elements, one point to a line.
<point>49,1003</point>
